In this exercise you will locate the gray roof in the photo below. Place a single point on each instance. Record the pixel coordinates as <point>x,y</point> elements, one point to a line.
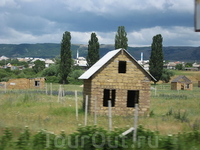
<point>185,79</point>
<point>92,70</point>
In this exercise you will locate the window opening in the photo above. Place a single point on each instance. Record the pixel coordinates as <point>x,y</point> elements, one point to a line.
<point>132,98</point>
<point>122,67</point>
<point>109,95</point>
<point>187,86</point>
<point>37,83</point>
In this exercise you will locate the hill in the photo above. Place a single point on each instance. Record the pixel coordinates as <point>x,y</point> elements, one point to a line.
<point>51,50</point>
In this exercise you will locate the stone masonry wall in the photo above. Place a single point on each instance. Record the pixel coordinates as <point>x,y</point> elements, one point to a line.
<point>174,86</point>
<point>177,86</point>
<point>109,78</point>
<point>32,83</point>
<point>21,83</point>
<point>24,83</point>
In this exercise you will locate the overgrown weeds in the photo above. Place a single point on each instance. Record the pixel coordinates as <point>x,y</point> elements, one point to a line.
<point>178,114</point>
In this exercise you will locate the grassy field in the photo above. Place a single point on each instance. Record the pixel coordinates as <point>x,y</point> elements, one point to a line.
<point>171,111</point>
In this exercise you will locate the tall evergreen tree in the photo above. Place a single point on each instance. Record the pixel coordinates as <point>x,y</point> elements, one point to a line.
<point>156,58</point>
<point>66,57</point>
<point>93,50</point>
<point>121,41</point>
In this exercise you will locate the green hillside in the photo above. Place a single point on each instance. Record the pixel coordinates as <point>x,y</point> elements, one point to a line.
<point>51,50</point>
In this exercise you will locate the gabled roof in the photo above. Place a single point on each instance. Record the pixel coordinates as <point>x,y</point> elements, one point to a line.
<point>101,62</point>
<point>182,79</point>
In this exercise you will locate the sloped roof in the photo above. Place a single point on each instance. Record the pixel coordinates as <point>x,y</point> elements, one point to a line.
<point>182,79</point>
<point>92,70</point>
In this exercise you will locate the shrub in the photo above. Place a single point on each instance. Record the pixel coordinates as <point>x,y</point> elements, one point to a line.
<point>23,139</point>
<point>166,75</point>
<point>93,138</point>
<point>74,75</point>
<point>52,79</point>
<point>182,116</point>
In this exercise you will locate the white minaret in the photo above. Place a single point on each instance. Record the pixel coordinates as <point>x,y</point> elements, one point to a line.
<point>141,56</point>
<point>77,54</point>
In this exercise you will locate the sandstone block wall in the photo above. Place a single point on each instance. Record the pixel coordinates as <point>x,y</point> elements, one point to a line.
<point>24,83</point>
<point>178,86</point>
<point>109,78</point>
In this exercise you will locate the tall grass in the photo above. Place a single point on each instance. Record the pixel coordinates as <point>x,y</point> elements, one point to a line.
<point>171,112</point>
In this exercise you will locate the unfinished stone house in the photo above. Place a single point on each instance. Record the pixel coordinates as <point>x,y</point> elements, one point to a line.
<point>26,83</point>
<point>181,83</point>
<point>118,77</point>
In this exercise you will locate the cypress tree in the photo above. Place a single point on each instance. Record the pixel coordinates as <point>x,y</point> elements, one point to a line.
<point>93,50</point>
<point>156,58</point>
<point>66,57</point>
<point>121,41</point>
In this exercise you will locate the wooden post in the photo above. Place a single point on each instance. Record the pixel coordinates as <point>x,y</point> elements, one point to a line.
<point>76,104</point>
<point>110,114</point>
<point>46,89</point>
<point>51,90</point>
<point>5,87</point>
<point>63,98</point>
<point>59,93</point>
<point>95,110</point>
<point>135,122</point>
<point>86,109</point>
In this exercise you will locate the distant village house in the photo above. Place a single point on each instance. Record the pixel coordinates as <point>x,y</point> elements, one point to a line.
<point>181,83</point>
<point>26,83</point>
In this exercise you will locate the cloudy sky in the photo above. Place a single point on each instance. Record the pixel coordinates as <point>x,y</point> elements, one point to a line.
<point>45,21</point>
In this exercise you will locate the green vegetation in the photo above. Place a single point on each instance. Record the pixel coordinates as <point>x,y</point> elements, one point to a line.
<point>179,67</point>
<point>38,66</point>
<point>189,64</point>
<point>156,58</point>
<point>121,40</point>
<point>166,75</point>
<point>93,137</point>
<point>172,112</point>
<point>65,57</point>
<point>74,75</point>
<point>51,73</point>
<point>14,62</point>
<point>93,50</point>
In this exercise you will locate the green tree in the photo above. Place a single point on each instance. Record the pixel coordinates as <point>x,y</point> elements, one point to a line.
<point>73,76</point>
<point>52,70</point>
<point>14,62</point>
<point>38,66</point>
<point>21,75</point>
<point>179,67</point>
<point>188,64</point>
<point>29,72</point>
<point>93,50</point>
<point>121,41</point>
<point>156,58</point>
<point>166,75</point>
<point>3,73</point>
<point>66,57</point>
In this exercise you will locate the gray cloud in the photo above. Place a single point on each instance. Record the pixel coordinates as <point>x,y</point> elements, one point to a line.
<point>39,21</point>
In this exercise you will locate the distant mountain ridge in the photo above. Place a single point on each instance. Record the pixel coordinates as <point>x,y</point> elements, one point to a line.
<point>52,50</point>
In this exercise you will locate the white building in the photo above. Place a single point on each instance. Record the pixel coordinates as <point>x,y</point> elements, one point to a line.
<point>80,61</point>
<point>48,62</point>
<point>3,58</point>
